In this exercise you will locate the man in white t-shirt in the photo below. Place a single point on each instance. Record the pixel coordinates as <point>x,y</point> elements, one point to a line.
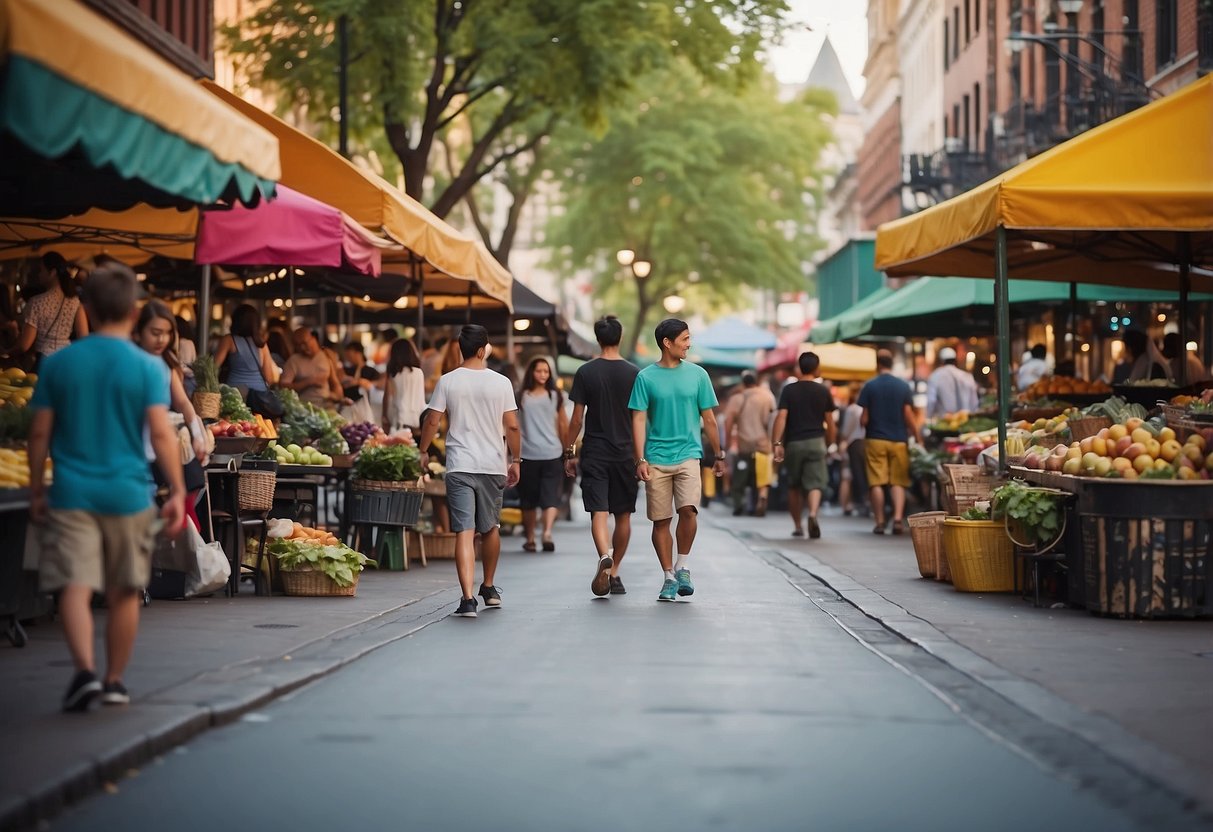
<point>480,408</point>
<point>1034,368</point>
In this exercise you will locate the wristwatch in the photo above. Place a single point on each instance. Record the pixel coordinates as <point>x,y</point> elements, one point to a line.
<point>720,457</point>
<point>641,461</point>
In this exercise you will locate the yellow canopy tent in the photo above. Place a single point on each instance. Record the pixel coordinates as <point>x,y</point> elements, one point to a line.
<point>1127,203</point>
<point>843,362</point>
<point>91,116</point>
<point>451,259</point>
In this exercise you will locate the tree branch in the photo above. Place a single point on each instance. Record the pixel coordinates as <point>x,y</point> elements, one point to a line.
<point>468,177</point>
<point>518,151</point>
<point>471,99</point>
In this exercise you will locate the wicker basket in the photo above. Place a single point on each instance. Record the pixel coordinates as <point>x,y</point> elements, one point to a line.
<point>256,490</point>
<point>980,556</point>
<point>312,583</point>
<point>964,485</point>
<point>439,545</point>
<point>926,530</point>
<point>206,404</point>
<point>1087,426</point>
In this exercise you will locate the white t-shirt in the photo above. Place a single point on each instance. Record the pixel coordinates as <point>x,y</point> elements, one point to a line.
<point>474,402</point>
<point>408,398</point>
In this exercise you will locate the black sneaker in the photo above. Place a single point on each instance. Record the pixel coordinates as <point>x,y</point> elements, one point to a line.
<point>617,587</point>
<point>467,608</point>
<point>82,691</point>
<point>491,595</point>
<point>115,693</point>
<point>814,529</point>
<point>601,585</point>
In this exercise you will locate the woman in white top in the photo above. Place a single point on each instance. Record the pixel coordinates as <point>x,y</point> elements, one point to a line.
<point>543,421</point>
<point>52,317</point>
<point>404,392</point>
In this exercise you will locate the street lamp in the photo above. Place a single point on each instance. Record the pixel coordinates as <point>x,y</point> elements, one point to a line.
<point>641,268</point>
<point>625,256</point>
<point>1070,6</point>
<point>674,304</point>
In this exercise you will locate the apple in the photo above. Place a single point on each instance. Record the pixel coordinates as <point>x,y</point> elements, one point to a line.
<point>1133,423</point>
<point>1073,453</point>
<point>1073,467</point>
<point>1161,465</point>
<point>1103,466</point>
<point>1166,435</point>
<point>1088,460</point>
<point>1194,453</point>
<point>1056,463</point>
<point>1103,433</point>
<point>1183,462</point>
<point>1121,464</point>
<point>1129,474</point>
<point>1141,435</point>
<point>1117,431</point>
<point>1209,463</point>
<point>1154,448</point>
<point>1122,445</point>
<point>1171,449</point>
<point>1143,462</point>
<point>1135,450</point>
<point>1034,462</point>
<point>1099,445</point>
<point>1198,440</point>
<point>1086,444</point>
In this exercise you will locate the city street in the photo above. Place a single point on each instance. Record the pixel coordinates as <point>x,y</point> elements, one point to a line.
<point>764,702</point>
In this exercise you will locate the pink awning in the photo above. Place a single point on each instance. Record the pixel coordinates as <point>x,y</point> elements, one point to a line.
<point>292,230</point>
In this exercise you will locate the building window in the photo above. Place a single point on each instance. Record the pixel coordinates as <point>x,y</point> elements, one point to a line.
<point>1166,35</point>
<point>968,29</point>
<point>976,16</point>
<point>977,116</point>
<point>968,138</point>
<point>956,32</point>
<point>946,42</point>
<point>955,121</point>
<point>1131,63</point>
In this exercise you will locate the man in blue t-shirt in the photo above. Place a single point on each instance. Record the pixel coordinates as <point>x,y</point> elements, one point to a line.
<point>92,403</point>
<point>669,399</point>
<point>888,417</point>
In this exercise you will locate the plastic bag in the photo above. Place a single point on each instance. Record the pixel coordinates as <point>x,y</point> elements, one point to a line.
<point>211,569</point>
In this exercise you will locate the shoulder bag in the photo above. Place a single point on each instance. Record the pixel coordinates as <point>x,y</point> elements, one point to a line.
<point>262,401</point>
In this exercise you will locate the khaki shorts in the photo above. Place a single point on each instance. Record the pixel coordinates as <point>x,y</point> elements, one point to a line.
<point>672,487</point>
<point>101,551</point>
<point>887,463</point>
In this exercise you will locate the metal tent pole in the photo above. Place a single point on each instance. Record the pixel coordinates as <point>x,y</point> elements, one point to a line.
<point>204,310</point>
<point>1185,286</point>
<point>420,299</point>
<point>1001,298</point>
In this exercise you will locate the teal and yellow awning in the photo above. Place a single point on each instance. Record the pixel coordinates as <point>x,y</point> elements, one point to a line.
<point>79,91</point>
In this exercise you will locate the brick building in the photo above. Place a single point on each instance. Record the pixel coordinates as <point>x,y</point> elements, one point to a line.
<point>181,31</point>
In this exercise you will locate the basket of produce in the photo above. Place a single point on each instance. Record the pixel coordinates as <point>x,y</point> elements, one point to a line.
<point>979,554</point>
<point>1086,426</point>
<point>356,435</point>
<point>1065,387</point>
<point>317,564</point>
<point>926,532</point>
<point>385,485</point>
<point>206,405</point>
<point>206,398</point>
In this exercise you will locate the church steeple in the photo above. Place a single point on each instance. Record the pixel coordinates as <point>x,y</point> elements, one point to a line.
<point>827,74</point>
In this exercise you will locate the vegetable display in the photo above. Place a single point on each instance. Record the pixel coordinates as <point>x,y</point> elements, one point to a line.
<point>394,463</point>
<point>305,424</point>
<point>338,561</point>
<point>357,434</point>
<point>232,406</point>
<point>206,374</point>
<point>1038,511</point>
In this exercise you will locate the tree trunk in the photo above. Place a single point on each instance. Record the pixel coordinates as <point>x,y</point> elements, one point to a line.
<point>643,305</point>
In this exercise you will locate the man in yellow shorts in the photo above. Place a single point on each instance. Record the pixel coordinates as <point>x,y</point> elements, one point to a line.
<point>888,418</point>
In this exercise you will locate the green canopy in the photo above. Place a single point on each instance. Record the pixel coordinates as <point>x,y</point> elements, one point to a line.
<point>936,307</point>
<point>834,329</point>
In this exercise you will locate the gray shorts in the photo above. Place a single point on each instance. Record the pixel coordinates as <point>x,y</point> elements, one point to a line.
<point>474,501</point>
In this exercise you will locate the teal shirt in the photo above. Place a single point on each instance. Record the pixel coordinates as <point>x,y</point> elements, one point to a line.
<point>99,389</point>
<point>673,398</point>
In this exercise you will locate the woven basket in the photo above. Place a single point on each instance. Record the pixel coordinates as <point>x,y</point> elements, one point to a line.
<point>964,485</point>
<point>926,530</point>
<point>206,404</point>
<point>311,583</point>
<point>1087,426</point>
<point>980,556</point>
<point>439,545</point>
<point>256,490</point>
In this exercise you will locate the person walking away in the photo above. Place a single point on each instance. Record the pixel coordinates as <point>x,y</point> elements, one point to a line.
<point>668,401</point>
<point>98,514</point>
<point>358,385</point>
<point>600,394</point>
<point>53,317</point>
<point>311,372</point>
<point>541,475</point>
<point>850,445</point>
<point>249,364</point>
<point>1032,370</point>
<point>888,421</point>
<point>480,407</point>
<point>747,420</point>
<point>950,389</point>
<point>804,429</point>
<point>404,392</point>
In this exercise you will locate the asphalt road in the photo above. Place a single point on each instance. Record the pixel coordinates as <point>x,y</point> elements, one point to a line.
<point>756,705</point>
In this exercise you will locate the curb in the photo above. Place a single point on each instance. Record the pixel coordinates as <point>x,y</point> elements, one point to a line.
<point>1138,755</point>
<point>219,697</point>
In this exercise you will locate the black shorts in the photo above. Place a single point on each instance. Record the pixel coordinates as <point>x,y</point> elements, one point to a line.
<point>609,486</point>
<point>540,483</point>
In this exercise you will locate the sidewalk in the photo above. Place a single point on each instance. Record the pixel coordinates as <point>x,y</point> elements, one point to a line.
<point>1141,690</point>
<point>197,664</point>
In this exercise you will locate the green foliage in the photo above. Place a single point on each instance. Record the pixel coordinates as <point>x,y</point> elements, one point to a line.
<point>493,77</point>
<point>206,375</point>
<point>393,463</point>
<point>710,184</point>
<point>341,563</point>
<point>232,406</point>
<point>304,424</point>
<point>975,513</point>
<point>1039,511</point>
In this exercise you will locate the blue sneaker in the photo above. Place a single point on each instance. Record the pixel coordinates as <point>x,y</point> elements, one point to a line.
<point>669,591</point>
<point>685,587</point>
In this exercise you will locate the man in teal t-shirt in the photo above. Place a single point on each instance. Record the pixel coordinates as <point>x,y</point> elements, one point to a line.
<point>669,399</point>
<point>92,403</point>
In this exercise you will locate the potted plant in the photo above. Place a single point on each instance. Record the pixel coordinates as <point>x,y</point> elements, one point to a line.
<point>206,396</point>
<point>1034,517</point>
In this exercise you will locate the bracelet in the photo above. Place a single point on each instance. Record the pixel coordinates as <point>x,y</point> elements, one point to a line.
<point>720,457</point>
<point>639,462</point>
<point>779,443</point>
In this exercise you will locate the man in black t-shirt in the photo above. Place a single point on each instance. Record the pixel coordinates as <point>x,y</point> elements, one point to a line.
<point>805,419</point>
<point>608,469</point>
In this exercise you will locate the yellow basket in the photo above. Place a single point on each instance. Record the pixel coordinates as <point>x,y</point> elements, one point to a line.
<point>980,556</point>
<point>926,531</point>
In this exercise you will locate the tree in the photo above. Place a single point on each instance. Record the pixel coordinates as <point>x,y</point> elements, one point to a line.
<point>712,186</point>
<point>492,79</point>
